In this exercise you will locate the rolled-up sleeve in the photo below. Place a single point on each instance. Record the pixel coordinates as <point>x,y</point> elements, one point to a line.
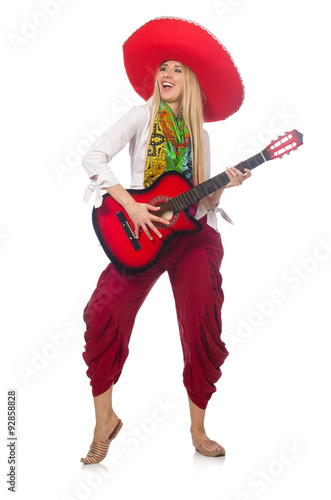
<point>111,142</point>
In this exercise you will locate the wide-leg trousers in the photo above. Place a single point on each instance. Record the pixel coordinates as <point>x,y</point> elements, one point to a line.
<point>192,262</point>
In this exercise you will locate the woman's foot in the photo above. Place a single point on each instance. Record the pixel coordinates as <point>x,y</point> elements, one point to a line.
<point>206,446</point>
<point>200,440</point>
<point>105,431</point>
<point>104,426</point>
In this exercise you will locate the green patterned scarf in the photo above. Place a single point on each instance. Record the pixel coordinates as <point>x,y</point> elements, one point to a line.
<point>169,147</point>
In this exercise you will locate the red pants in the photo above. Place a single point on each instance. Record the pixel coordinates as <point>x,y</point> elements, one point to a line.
<point>193,263</point>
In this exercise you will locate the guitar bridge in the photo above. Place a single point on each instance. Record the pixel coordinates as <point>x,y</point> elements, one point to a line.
<point>128,230</point>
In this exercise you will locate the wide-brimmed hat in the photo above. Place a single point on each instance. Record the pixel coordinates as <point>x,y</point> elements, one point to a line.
<point>173,38</point>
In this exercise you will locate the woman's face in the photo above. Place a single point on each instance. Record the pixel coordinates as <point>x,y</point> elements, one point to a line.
<point>170,82</point>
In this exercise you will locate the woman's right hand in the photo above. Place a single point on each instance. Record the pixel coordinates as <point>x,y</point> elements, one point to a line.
<point>138,212</point>
<point>142,218</point>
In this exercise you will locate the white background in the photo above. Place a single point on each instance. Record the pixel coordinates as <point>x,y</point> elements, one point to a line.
<point>271,409</point>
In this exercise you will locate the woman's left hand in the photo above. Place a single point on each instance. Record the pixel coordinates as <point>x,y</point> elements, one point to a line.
<point>236,177</point>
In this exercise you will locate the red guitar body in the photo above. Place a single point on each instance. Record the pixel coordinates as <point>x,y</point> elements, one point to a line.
<point>115,230</point>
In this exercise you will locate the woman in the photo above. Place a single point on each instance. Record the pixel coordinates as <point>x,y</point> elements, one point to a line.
<point>193,80</point>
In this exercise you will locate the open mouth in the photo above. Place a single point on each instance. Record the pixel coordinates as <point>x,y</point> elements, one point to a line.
<point>167,85</point>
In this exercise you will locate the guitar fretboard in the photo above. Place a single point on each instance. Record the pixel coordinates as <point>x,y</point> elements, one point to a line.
<point>197,193</point>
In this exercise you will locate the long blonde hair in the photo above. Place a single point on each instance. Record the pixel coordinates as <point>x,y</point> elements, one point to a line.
<point>192,105</point>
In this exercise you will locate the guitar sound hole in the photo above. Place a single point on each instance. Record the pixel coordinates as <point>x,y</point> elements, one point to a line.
<point>168,215</point>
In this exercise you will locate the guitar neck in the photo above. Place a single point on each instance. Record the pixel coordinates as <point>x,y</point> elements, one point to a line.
<point>188,198</point>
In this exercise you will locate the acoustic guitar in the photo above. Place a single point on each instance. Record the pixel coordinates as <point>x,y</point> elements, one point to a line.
<point>174,194</point>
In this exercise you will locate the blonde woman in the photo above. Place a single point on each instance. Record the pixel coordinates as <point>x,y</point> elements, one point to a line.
<point>187,77</point>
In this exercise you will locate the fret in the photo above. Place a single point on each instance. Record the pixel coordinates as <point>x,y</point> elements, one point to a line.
<point>175,203</point>
<point>187,196</point>
<point>262,156</point>
<point>197,193</point>
<point>203,188</point>
<point>212,181</point>
<point>241,166</point>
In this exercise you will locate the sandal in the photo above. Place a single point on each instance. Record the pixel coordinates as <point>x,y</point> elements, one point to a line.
<point>210,448</point>
<point>98,450</point>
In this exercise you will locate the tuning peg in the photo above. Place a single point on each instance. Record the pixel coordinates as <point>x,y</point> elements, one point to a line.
<point>288,153</point>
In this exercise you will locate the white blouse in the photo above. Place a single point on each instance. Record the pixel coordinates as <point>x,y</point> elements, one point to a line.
<point>132,128</point>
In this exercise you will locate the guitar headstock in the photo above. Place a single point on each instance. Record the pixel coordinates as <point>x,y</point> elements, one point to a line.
<point>284,144</point>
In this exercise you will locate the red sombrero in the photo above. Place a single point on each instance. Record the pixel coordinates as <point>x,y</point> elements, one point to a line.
<point>185,41</point>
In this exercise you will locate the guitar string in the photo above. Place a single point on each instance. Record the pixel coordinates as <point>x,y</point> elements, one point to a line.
<point>214,183</point>
<point>194,194</point>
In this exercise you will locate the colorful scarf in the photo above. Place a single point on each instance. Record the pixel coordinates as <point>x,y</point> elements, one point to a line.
<point>169,147</point>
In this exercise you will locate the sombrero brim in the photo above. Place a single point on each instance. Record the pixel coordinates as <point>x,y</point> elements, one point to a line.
<point>189,43</point>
